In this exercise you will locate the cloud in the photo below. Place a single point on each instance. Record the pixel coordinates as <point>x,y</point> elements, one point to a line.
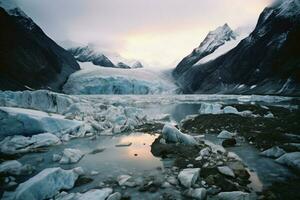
<point>156,31</point>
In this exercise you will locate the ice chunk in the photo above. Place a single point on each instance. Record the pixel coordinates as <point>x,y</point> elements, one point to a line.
<point>94,194</point>
<point>210,108</point>
<point>273,152</point>
<point>21,121</point>
<point>188,176</point>
<point>45,184</point>
<point>14,167</point>
<point>22,144</point>
<point>71,156</point>
<point>172,134</point>
<point>236,195</point>
<point>290,159</point>
<point>226,135</point>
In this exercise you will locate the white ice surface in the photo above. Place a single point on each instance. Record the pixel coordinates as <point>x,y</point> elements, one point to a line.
<point>99,80</point>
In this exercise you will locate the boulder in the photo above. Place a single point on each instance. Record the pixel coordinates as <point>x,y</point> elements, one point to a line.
<point>205,152</point>
<point>173,135</point>
<point>188,176</point>
<point>198,193</point>
<point>122,179</point>
<point>226,171</point>
<point>229,142</point>
<point>45,184</point>
<point>274,152</point>
<point>290,159</point>
<point>71,156</point>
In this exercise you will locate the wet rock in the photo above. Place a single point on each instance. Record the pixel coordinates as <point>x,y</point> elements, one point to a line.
<point>290,159</point>
<point>274,152</point>
<point>125,144</point>
<point>172,180</point>
<point>115,196</point>
<point>95,151</point>
<point>173,135</point>
<point>198,193</point>
<point>213,190</point>
<point>45,184</point>
<point>82,180</point>
<point>189,176</point>
<point>226,171</point>
<point>71,156</point>
<point>236,195</point>
<point>125,180</point>
<point>205,152</point>
<point>229,142</point>
<point>238,169</point>
<point>226,135</point>
<point>166,185</point>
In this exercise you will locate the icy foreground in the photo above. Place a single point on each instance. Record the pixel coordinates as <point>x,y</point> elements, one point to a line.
<point>100,80</point>
<point>44,185</point>
<point>19,121</point>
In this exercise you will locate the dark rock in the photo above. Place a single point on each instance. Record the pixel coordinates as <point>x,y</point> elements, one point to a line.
<point>82,180</point>
<point>89,54</point>
<point>229,142</point>
<point>28,57</point>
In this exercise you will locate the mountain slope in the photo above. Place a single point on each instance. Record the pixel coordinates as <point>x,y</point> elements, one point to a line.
<point>88,54</point>
<point>266,62</point>
<point>28,57</point>
<point>213,41</point>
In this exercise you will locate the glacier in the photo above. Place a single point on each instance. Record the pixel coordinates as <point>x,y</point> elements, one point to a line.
<point>99,80</point>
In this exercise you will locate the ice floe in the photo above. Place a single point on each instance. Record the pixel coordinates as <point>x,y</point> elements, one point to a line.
<point>21,144</point>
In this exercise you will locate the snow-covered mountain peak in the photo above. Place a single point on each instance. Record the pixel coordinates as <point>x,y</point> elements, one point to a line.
<point>11,7</point>
<point>217,38</point>
<point>137,64</point>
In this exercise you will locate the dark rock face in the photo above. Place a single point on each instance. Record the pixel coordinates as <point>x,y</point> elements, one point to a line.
<point>28,57</point>
<point>123,65</point>
<point>137,64</point>
<point>266,62</point>
<point>88,54</point>
<point>212,41</point>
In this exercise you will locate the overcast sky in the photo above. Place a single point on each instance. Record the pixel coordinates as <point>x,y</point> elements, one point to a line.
<point>159,32</point>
